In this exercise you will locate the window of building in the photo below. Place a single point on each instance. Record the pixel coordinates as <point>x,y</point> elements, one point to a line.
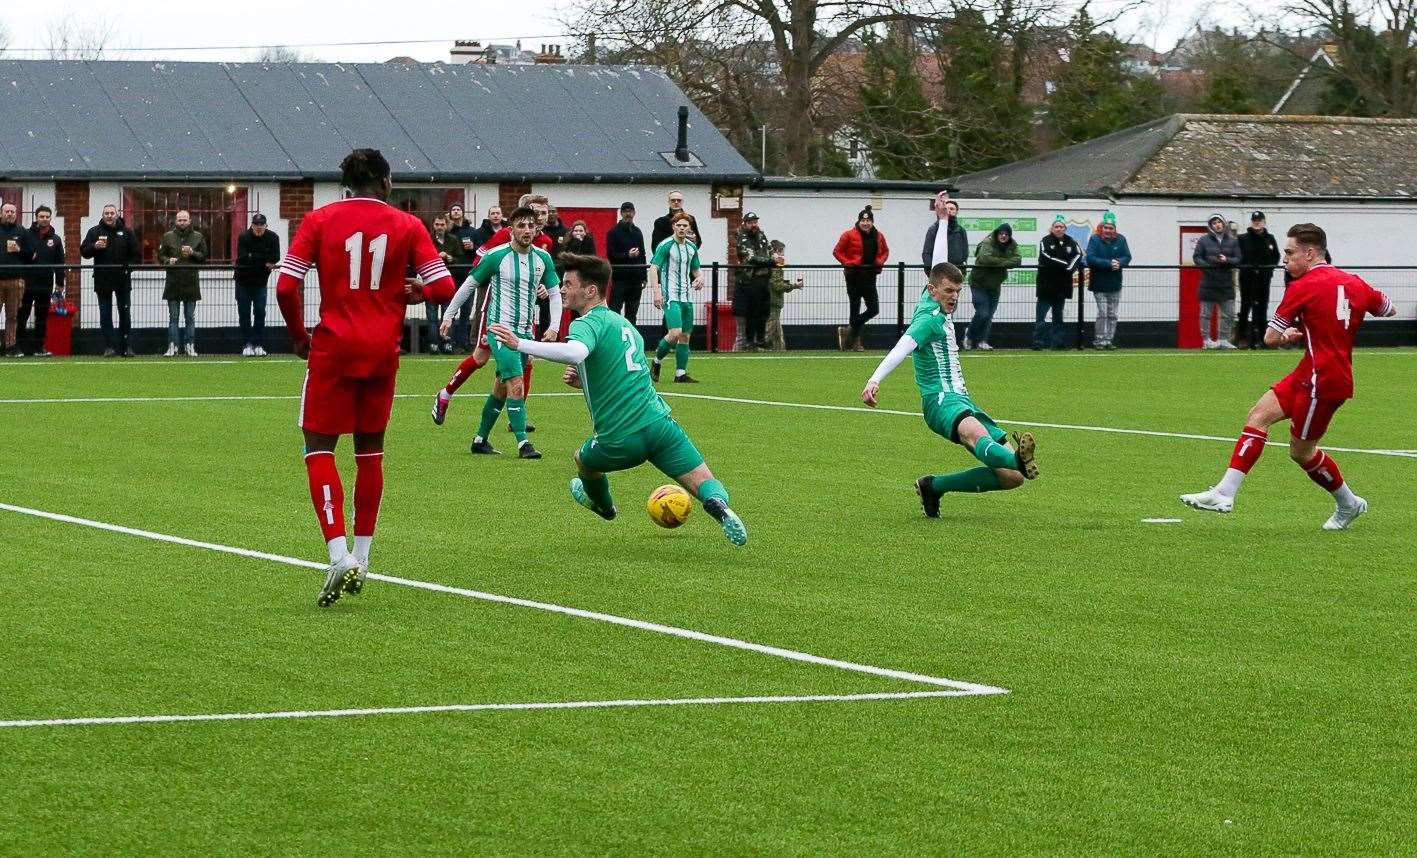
<point>218,213</point>
<point>427,203</point>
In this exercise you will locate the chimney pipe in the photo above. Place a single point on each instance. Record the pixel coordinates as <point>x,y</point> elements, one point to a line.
<point>681,151</point>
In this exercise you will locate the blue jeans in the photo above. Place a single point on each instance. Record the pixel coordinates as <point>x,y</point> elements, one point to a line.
<point>985,303</point>
<point>433,315</point>
<point>189,309</point>
<point>105,316</point>
<point>1042,336</point>
<point>249,300</point>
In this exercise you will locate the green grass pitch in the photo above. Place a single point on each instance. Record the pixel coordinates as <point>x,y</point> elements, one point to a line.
<point>1238,684</point>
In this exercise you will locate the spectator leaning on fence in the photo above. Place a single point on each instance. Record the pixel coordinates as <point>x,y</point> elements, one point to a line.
<point>1059,261</point>
<point>862,251</point>
<point>257,253</point>
<point>42,281</point>
<point>778,287</point>
<point>1217,254</point>
<point>993,258</point>
<point>945,240</point>
<point>1259,254</point>
<point>19,253</point>
<point>663,228</point>
<point>625,248</point>
<point>183,248</point>
<point>750,292</point>
<point>112,247</point>
<point>1107,254</point>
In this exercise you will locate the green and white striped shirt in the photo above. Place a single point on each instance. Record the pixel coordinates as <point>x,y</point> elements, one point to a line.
<point>677,264</point>
<point>514,278</point>
<point>936,355</point>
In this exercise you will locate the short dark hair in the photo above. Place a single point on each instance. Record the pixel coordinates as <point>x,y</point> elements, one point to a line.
<point>946,271</point>
<point>364,170</point>
<point>43,209</point>
<point>592,269</point>
<point>1310,234</point>
<point>522,212</point>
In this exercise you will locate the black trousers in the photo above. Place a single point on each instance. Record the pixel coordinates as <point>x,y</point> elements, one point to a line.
<point>862,293</point>
<point>39,303</point>
<point>1254,309</point>
<point>625,299</point>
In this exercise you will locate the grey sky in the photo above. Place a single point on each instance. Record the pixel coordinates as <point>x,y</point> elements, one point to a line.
<point>151,24</point>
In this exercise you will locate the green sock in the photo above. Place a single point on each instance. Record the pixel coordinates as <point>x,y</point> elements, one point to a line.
<point>662,349</point>
<point>516,415</point>
<point>973,480</point>
<point>681,357</point>
<point>598,490</point>
<point>713,489</point>
<point>490,409</point>
<point>995,455</point>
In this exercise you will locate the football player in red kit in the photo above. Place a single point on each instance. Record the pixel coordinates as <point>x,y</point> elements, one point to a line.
<point>361,246</point>
<point>1321,311</point>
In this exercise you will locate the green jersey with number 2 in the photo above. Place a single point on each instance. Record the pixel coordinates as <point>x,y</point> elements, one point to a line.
<point>615,375</point>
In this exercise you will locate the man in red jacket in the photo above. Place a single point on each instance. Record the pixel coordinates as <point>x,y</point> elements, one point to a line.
<point>862,251</point>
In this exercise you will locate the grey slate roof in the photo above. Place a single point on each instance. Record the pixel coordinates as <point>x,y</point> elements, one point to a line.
<point>161,120</point>
<point>1196,155</point>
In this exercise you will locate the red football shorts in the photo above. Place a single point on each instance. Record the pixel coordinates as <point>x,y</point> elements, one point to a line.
<point>1308,415</point>
<point>339,405</point>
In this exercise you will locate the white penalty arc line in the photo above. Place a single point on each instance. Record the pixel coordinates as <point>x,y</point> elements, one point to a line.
<point>486,707</point>
<point>642,625</point>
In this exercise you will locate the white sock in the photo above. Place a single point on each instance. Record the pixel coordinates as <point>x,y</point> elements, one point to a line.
<point>1344,496</point>
<point>1230,483</point>
<point>444,394</point>
<point>679,373</point>
<point>361,549</point>
<point>338,549</point>
<point>478,439</point>
<point>523,443</point>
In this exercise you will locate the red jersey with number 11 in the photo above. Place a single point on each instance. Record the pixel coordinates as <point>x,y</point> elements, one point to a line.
<point>1328,305</point>
<point>362,248</point>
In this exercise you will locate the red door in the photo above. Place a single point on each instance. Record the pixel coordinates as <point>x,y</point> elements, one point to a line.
<point>1188,330</point>
<point>598,222</point>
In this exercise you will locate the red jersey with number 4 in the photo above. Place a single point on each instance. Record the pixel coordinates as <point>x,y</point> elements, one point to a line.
<point>1328,306</point>
<point>362,248</point>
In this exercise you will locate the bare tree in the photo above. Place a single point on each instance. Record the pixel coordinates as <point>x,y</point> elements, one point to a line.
<point>1376,46</point>
<point>4,37</point>
<point>71,39</point>
<point>282,54</point>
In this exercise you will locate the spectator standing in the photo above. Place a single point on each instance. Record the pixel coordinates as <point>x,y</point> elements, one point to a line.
<point>750,291</point>
<point>257,252</point>
<point>778,287</point>
<point>663,228</point>
<point>41,281</point>
<point>19,253</point>
<point>993,258</point>
<point>625,248</point>
<point>579,240</point>
<point>466,234</point>
<point>1217,254</point>
<point>862,251</point>
<point>112,247</point>
<point>1059,261</point>
<point>945,240</point>
<point>1259,254</point>
<point>183,248</point>
<point>490,226</point>
<point>1107,254</point>
<point>449,248</point>
<point>559,234</point>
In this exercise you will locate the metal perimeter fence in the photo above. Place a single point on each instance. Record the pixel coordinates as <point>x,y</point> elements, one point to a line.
<point>1158,307</point>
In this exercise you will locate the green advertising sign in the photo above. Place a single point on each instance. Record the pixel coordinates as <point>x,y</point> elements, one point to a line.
<point>989,224</point>
<point>1028,251</point>
<point>1022,277</point>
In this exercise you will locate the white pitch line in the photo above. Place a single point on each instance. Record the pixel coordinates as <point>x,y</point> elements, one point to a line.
<point>486,707</point>
<point>674,631</point>
<point>90,400</point>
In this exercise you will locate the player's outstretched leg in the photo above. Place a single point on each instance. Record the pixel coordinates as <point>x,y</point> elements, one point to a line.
<point>368,494</point>
<point>591,489</point>
<point>1323,470</point>
<point>470,364</point>
<point>490,411</point>
<point>1248,448</point>
<point>714,497</point>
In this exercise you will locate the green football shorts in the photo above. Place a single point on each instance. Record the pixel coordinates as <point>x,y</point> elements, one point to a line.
<point>509,362</point>
<point>679,314</point>
<point>945,411</point>
<point>661,443</point>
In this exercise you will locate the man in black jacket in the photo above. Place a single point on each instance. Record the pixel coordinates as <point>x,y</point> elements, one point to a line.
<point>17,252</point>
<point>42,281</point>
<point>625,248</point>
<point>1259,253</point>
<point>663,229</point>
<point>257,252</point>
<point>113,247</point>
<point>953,246</point>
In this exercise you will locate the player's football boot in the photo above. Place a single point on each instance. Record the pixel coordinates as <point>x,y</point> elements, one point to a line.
<point>526,451</point>
<point>654,371</point>
<point>482,447</point>
<point>733,526</point>
<point>929,500</point>
<point>338,576</point>
<point>353,587</point>
<point>440,407</point>
<point>1345,515</point>
<point>1024,445</point>
<point>1209,500</point>
<point>578,493</point>
<point>685,379</point>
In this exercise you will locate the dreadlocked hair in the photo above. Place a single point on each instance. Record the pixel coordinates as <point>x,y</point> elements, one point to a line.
<point>364,170</point>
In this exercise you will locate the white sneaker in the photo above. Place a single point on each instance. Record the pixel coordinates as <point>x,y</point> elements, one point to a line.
<point>1225,345</point>
<point>984,347</point>
<point>1209,500</point>
<point>1345,515</point>
<point>968,344</point>
<point>258,351</point>
<point>191,350</point>
<point>1208,344</point>
<point>171,350</point>
<point>247,351</point>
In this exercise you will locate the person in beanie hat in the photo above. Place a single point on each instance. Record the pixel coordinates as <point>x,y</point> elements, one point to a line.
<point>862,252</point>
<point>1217,254</point>
<point>1059,260</point>
<point>993,258</point>
<point>1107,255</point>
<point>778,287</point>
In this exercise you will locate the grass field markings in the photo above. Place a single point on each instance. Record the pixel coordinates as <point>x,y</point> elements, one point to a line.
<point>90,400</point>
<point>487,707</point>
<point>642,625</point>
<point>1162,520</point>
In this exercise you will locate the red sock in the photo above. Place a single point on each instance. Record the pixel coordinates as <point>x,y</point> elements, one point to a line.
<point>464,371</point>
<point>368,491</point>
<point>1248,448</point>
<point>326,492</point>
<point>526,380</point>
<point>1323,470</point>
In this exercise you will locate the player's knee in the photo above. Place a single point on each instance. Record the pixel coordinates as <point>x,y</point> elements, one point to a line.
<point>1300,455</point>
